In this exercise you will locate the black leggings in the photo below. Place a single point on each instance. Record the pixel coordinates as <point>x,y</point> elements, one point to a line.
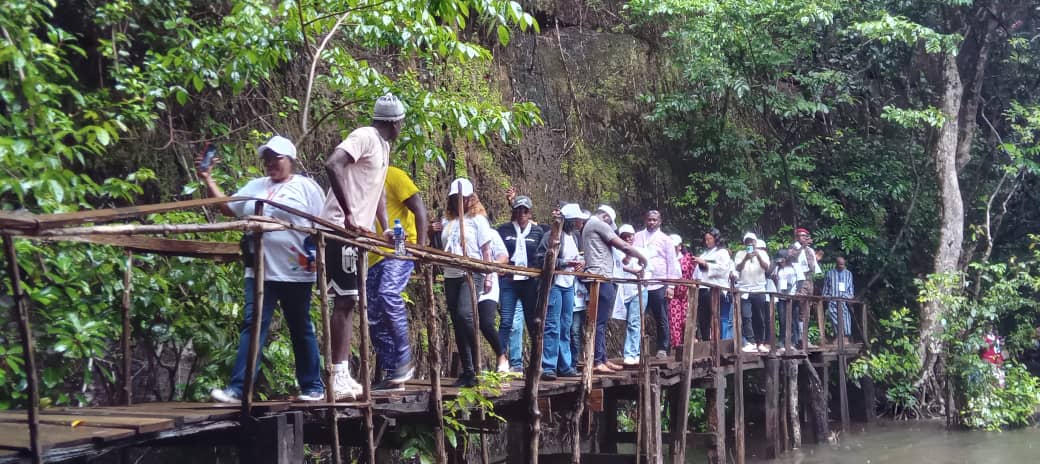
<point>488,309</point>
<point>460,308</point>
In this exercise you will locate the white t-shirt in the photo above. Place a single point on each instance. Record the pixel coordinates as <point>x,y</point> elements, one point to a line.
<point>365,175</point>
<point>568,251</point>
<point>285,259</point>
<point>626,292</point>
<point>498,250</point>
<point>581,296</point>
<point>752,278</point>
<point>478,233</point>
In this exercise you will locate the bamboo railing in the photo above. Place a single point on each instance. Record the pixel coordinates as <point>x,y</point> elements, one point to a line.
<point>72,227</point>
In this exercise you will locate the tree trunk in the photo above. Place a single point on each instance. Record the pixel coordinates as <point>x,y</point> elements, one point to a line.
<point>951,211</point>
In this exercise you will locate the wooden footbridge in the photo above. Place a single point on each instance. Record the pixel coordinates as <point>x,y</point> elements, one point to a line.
<point>582,413</point>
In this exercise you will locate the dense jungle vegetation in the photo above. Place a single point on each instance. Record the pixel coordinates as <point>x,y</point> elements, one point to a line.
<point>903,133</point>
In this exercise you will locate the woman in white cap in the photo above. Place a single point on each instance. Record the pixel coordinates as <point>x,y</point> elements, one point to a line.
<point>456,288</point>
<point>288,265</point>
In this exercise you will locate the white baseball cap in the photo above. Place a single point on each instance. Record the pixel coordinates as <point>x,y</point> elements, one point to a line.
<point>750,235</point>
<point>464,184</point>
<point>573,211</point>
<point>676,239</point>
<point>280,145</point>
<point>610,212</point>
<point>626,228</point>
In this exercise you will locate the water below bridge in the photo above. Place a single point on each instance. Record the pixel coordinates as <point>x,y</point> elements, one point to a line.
<point>914,443</point>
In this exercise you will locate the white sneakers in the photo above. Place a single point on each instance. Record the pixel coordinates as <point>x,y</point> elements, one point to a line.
<point>749,348</point>
<point>225,396</point>
<point>630,361</point>
<point>343,385</point>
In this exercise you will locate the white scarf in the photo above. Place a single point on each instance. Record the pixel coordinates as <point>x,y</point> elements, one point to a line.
<point>520,251</point>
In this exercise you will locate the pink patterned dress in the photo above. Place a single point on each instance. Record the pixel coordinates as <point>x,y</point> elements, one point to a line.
<point>677,306</point>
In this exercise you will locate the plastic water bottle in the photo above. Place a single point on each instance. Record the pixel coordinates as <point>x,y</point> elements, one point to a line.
<point>399,248</point>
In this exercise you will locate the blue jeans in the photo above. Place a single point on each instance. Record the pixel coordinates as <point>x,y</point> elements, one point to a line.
<point>295,299</point>
<point>387,315</point>
<point>578,337</point>
<point>832,311</point>
<point>726,315</point>
<point>556,349</point>
<point>632,316</point>
<point>605,305</point>
<point>514,297</point>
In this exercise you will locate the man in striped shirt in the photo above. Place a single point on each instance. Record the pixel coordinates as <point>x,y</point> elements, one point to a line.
<point>838,284</point>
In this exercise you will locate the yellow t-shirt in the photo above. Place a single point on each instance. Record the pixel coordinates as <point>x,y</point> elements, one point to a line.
<point>399,187</point>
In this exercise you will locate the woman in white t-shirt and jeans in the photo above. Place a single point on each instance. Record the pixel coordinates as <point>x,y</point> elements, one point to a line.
<point>288,265</point>
<point>456,288</point>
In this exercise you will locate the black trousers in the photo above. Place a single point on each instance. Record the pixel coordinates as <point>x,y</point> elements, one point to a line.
<point>657,306</point>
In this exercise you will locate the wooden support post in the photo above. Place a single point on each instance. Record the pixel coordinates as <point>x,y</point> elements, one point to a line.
<point>865,325</point>
<point>683,402</point>
<point>125,338</point>
<point>608,441</point>
<point>273,440</point>
<point>869,410</point>
<point>791,371</point>
<point>20,313</point>
<point>820,327</point>
<point>803,313</point>
<point>738,380</point>
<point>843,392</point>
<point>534,368</point>
<point>656,453</point>
<point>433,350</point>
<point>589,330</point>
<point>645,426</point>
<point>258,316</point>
<point>817,389</point>
<point>785,441</point>
<point>772,325</point>
<point>716,410</point>
<point>366,374</point>
<point>326,346</point>
<point>788,329</point>
<point>716,330</point>
<point>772,399</point>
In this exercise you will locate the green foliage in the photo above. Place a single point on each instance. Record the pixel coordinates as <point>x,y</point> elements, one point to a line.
<point>893,362</point>
<point>991,407</point>
<point>890,28</point>
<point>928,117</point>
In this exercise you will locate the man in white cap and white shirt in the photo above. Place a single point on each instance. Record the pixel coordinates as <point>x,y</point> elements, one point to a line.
<point>357,172</point>
<point>752,265</point>
<point>597,241</point>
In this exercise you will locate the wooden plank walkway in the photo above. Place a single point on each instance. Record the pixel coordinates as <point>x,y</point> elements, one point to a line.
<point>64,430</point>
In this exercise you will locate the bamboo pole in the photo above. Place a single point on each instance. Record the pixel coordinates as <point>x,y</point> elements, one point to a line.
<point>326,347</point>
<point>20,313</point>
<point>128,381</point>
<point>133,229</point>
<point>258,315</point>
<point>645,426</point>
<point>772,325</point>
<point>738,379</point>
<point>843,392</point>
<point>434,352</point>
<point>366,375</point>
<point>689,340</point>
<point>588,351</point>
<point>534,369</point>
<point>716,330</point>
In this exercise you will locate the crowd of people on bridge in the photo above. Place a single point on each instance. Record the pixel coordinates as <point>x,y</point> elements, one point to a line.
<point>366,192</point>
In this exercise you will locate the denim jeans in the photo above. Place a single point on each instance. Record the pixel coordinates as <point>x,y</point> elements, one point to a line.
<point>657,306</point>
<point>387,315</point>
<point>832,311</point>
<point>295,299</point>
<point>516,338</point>
<point>726,316</point>
<point>578,338</point>
<point>632,317</point>
<point>514,297</point>
<point>605,305</point>
<point>556,349</point>
<point>782,307</point>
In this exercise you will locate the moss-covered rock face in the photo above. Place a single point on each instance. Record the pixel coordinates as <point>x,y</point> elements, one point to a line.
<point>595,145</point>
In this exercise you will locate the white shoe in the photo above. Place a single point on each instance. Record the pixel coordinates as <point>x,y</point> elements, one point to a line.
<point>343,386</point>
<point>311,397</point>
<point>630,361</point>
<point>225,396</point>
<point>749,348</point>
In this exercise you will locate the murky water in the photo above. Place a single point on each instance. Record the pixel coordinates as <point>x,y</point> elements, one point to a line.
<point>917,443</point>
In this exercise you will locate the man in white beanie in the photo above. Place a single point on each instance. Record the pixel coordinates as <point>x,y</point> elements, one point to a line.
<point>357,172</point>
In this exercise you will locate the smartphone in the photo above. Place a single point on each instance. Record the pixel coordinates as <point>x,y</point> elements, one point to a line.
<point>207,157</point>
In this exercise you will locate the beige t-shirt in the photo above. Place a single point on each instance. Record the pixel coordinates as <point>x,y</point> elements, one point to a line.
<point>365,178</point>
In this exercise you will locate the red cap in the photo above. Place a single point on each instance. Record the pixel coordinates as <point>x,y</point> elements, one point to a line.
<point>801,231</point>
